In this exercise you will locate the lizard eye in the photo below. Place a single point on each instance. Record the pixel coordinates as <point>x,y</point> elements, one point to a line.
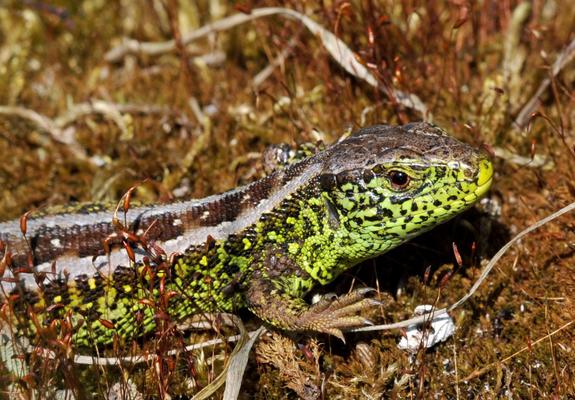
<point>399,180</point>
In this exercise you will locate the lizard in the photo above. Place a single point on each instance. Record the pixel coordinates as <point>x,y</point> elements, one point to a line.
<point>263,246</point>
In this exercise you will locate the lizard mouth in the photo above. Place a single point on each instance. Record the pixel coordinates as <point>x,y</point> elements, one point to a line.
<point>484,180</point>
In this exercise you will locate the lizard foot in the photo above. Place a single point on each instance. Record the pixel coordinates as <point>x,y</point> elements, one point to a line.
<point>333,316</point>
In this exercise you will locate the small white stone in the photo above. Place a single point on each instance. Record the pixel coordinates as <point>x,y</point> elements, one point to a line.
<point>442,328</point>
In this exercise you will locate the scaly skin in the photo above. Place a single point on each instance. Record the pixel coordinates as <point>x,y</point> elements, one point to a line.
<point>263,246</point>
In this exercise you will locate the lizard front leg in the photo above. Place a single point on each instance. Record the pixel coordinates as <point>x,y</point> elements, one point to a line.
<point>274,291</point>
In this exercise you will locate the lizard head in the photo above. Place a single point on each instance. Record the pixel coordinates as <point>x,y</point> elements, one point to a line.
<point>386,184</point>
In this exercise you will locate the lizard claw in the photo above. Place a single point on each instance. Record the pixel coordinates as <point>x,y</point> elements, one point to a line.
<point>333,316</point>
<point>338,333</point>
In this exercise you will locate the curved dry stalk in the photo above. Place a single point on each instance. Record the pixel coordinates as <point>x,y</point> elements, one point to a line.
<point>338,50</point>
<point>279,60</point>
<point>106,109</point>
<point>48,125</point>
<point>41,121</point>
<point>237,365</point>
<point>56,127</point>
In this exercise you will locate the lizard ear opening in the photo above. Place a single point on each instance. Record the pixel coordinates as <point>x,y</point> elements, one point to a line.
<point>332,214</point>
<point>327,182</point>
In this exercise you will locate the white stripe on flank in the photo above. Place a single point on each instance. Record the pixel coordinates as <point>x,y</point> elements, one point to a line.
<point>87,265</point>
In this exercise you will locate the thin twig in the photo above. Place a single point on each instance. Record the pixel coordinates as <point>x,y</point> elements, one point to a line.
<point>171,7</point>
<point>55,127</point>
<point>41,121</point>
<point>267,71</point>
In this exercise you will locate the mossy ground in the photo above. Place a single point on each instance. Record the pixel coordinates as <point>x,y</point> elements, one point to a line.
<point>197,126</point>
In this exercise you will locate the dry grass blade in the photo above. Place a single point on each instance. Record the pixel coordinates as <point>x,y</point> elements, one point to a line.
<point>537,161</point>
<point>237,365</point>
<point>40,120</point>
<point>112,110</point>
<point>130,46</point>
<point>524,349</point>
<point>340,52</point>
<point>228,319</point>
<point>231,373</point>
<point>484,273</point>
<point>238,359</point>
<point>108,110</point>
<point>267,71</point>
<point>565,57</point>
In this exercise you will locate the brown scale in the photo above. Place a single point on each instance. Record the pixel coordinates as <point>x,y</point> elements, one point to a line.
<point>232,205</point>
<point>159,227</point>
<point>87,241</point>
<point>77,240</point>
<point>125,276</point>
<point>293,171</point>
<point>57,287</point>
<point>90,295</point>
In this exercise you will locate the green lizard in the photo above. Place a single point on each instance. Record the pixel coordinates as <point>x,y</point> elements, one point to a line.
<point>263,246</point>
